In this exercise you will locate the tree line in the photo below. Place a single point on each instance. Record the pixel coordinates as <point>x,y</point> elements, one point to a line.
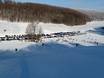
<point>7,1</point>
<point>29,12</point>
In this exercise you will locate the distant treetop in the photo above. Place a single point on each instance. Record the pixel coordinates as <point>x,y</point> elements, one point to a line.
<point>7,1</point>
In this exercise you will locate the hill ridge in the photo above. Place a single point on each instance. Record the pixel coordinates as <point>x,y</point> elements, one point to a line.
<point>30,12</point>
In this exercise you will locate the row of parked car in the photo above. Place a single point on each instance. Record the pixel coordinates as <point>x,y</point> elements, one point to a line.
<point>11,37</point>
<point>25,37</point>
<point>61,34</point>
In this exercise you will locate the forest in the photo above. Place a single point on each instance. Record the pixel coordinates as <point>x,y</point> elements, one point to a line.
<point>30,12</point>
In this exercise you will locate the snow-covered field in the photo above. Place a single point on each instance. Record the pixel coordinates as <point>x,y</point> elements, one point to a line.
<point>58,58</point>
<point>52,28</point>
<point>87,38</point>
<point>12,28</point>
<point>53,61</point>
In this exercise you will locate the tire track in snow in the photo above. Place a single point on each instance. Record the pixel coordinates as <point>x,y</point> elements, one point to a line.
<point>24,67</point>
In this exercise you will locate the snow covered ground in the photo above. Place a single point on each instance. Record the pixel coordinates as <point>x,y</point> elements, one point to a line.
<point>53,61</point>
<point>87,38</point>
<point>11,45</point>
<point>58,58</point>
<point>52,28</point>
<point>12,28</point>
<point>15,28</point>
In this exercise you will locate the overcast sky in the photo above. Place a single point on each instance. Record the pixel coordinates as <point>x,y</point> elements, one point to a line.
<point>83,4</point>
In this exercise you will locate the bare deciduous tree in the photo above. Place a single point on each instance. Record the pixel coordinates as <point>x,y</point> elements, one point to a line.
<point>32,28</point>
<point>8,1</point>
<point>34,31</point>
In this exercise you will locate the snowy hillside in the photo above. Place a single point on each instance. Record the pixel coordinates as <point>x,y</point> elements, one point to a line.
<point>94,14</point>
<point>59,57</point>
<point>12,28</point>
<point>16,28</point>
<point>52,28</point>
<point>88,35</point>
